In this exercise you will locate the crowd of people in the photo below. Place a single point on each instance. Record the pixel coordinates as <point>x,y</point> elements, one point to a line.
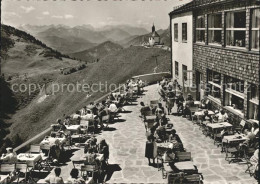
<point>171,93</point>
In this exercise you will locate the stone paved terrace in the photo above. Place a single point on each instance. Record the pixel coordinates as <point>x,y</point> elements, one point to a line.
<point>126,139</point>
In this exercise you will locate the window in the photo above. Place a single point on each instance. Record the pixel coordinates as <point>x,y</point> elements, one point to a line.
<point>255,29</point>
<point>234,101</point>
<point>213,86</point>
<point>176,68</point>
<point>253,102</point>
<point>176,32</point>
<point>236,28</point>
<point>234,84</point>
<point>184,72</point>
<point>184,32</point>
<point>214,28</point>
<point>200,29</point>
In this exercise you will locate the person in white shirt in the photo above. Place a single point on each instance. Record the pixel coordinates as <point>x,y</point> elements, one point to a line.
<point>255,128</point>
<point>10,156</point>
<point>55,179</point>
<point>112,107</point>
<point>222,116</point>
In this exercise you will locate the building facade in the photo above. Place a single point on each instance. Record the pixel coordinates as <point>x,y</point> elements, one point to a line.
<point>226,54</point>
<point>182,47</point>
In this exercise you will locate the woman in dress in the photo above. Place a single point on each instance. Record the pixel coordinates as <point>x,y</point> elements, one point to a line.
<point>170,100</point>
<point>151,149</point>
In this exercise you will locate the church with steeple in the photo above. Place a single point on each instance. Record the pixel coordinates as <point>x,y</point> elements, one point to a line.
<point>154,37</point>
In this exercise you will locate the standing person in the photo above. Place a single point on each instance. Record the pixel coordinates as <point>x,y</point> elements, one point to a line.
<point>151,149</point>
<point>55,179</point>
<point>104,149</point>
<point>180,101</point>
<point>170,100</point>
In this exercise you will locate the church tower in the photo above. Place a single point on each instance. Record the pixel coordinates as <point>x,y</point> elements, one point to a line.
<point>153,28</point>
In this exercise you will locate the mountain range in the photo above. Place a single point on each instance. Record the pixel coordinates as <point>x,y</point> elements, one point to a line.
<point>75,39</point>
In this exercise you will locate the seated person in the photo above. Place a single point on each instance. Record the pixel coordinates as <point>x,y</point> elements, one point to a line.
<point>76,115</point>
<point>160,111</point>
<point>56,178</point>
<point>160,134</point>
<point>83,111</point>
<point>255,129</point>
<point>175,140</point>
<point>88,116</point>
<point>10,156</point>
<point>112,107</point>
<point>187,111</point>
<point>222,116</point>
<point>90,157</point>
<point>206,117</point>
<point>55,151</point>
<point>66,120</point>
<point>144,108</point>
<point>61,125</point>
<point>189,100</point>
<point>205,103</point>
<point>74,179</point>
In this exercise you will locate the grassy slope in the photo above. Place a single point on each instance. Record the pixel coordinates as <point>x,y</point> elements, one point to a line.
<point>116,68</point>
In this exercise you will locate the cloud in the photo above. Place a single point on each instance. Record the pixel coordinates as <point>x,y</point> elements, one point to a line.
<point>68,16</point>
<point>27,9</point>
<point>11,14</point>
<point>57,16</point>
<point>46,13</point>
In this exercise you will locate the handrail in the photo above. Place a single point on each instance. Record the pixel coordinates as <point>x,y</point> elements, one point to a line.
<point>38,136</point>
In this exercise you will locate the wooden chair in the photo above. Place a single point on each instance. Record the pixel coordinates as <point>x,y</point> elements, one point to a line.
<point>183,156</point>
<point>7,168</point>
<point>35,148</point>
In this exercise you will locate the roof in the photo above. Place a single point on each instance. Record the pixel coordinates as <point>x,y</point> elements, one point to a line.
<point>154,34</point>
<point>197,4</point>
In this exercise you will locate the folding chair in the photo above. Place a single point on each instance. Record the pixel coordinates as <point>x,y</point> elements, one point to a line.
<point>23,170</point>
<point>36,148</point>
<point>183,156</point>
<point>193,178</point>
<point>46,161</point>
<point>7,168</point>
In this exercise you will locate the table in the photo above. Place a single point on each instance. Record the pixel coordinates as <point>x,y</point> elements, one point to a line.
<point>253,121</point>
<point>4,179</point>
<point>73,128</point>
<point>219,125</point>
<point>51,141</point>
<point>32,160</point>
<point>99,157</point>
<point>201,113</point>
<point>237,138</point>
<point>185,166</point>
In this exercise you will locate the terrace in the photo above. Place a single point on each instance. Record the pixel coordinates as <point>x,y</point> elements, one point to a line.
<point>127,163</point>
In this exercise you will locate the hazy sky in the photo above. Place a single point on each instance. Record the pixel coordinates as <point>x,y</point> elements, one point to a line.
<point>97,13</point>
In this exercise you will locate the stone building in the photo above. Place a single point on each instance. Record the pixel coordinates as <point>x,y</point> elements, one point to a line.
<point>225,53</point>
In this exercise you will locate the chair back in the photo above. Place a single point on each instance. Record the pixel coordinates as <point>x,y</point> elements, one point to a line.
<point>35,149</point>
<point>148,113</point>
<point>22,167</point>
<point>7,168</point>
<point>183,156</point>
<point>88,168</point>
<point>154,103</point>
<point>105,118</point>
<point>193,178</point>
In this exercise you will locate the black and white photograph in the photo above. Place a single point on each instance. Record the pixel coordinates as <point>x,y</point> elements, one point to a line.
<point>129,91</point>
